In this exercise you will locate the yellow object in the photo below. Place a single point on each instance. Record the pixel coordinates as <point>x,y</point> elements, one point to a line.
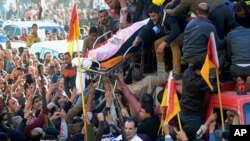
<point>158,2</point>
<point>211,60</point>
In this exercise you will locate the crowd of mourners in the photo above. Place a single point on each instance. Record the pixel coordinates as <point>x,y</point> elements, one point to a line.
<point>39,99</point>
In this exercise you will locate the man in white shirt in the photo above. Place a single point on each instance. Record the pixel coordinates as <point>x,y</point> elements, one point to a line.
<point>130,131</point>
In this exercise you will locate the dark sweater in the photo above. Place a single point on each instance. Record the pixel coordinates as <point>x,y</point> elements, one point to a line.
<point>149,127</point>
<point>194,89</point>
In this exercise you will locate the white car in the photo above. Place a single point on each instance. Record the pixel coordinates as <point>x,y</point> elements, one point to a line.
<point>55,47</point>
<point>14,28</point>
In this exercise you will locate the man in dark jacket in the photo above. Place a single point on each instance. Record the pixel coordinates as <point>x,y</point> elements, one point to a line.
<point>150,123</point>
<point>159,25</point>
<point>194,89</point>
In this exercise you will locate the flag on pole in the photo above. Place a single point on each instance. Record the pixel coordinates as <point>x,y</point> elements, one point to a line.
<point>170,100</point>
<point>74,30</point>
<point>211,60</point>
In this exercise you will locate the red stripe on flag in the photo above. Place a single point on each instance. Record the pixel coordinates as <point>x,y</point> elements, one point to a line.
<point>212,51</point>
<point>173,105</point>
<point>74,30</point>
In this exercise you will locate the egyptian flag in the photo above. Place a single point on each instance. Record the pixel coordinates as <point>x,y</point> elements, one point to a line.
<point>111,52</point>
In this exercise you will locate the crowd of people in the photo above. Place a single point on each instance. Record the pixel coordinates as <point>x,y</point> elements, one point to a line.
<point>39,99</point>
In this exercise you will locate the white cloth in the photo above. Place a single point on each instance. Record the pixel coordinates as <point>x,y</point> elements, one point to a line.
<point>135,138</point>
<point>86,63</point>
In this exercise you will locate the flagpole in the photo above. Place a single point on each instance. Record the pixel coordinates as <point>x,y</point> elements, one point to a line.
<point>81,87</point>
<point>220,102</point>
<point>80,75</point>
<point>179,120</point>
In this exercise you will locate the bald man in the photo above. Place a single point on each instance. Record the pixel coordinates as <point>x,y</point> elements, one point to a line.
<point>196,36</point>
<point>220,14</point>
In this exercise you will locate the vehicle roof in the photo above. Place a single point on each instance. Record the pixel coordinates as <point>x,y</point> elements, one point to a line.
<point>30,23</point>
<point>60,46</point>
<point>230,98</point>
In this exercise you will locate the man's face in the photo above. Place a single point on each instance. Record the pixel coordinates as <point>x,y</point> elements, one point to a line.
<point>103,17</point>
<point>19,92</point>
<point>8,54</point>
<point>31,70</point>
<point>18,62</point>
<point>241,13</point>
<point>110,3</point>
<point>230,118</point>
<point>46,70</point>
<point>34,29</point>
<point>48,36</point>
<point>154,17</point>
<point>61,85</point>
<point>93,36</point>
<point>48,57</point>
<point>37,103</point>
<point>13,105</point>
<point>8,44</point>
<point>130,130</point>
<point>67,59</point>
<point>58,69</point>
<point>143,114</point>
<point>25,51</point>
